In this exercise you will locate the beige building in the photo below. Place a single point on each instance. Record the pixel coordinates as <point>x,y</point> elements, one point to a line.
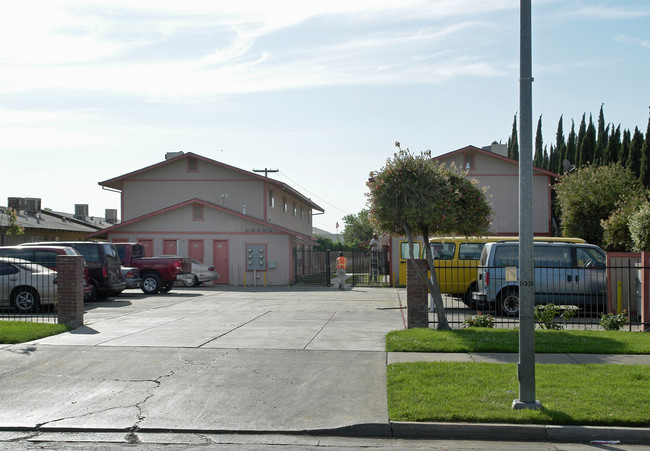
<point>245,225</point>
<point>492,168</point>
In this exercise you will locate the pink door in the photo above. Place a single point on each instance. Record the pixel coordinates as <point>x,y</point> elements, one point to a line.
<point>148,247</point>
<point>170,247</point>
<point>196,249</point>
<point>221,260</point>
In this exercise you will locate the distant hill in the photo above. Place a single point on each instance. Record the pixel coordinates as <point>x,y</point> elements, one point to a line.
<point>332,236</point>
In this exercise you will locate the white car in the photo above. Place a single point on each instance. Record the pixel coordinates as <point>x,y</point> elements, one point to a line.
<point>25,285</point>
<point>200,273</point>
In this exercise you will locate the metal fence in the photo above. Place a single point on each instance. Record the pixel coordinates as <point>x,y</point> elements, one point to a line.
<point>27,291</point>
<point>318,268</point>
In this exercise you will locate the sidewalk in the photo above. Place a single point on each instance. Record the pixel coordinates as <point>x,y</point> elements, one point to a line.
<point>290,361</point>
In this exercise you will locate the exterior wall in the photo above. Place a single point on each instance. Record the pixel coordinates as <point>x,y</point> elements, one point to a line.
<point>277,215</point>
<point>502,180</point>
<point>178,225</point>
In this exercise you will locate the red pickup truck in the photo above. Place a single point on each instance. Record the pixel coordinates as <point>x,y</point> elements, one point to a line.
<point>158,273</point>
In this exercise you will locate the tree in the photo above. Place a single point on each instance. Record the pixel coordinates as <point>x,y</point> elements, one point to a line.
<point>12,227</point>
<point>616,228</point>
<point>582,131</point>
<point>513,143</point>
<point>601,138</point>
<point>358,228</point>
<point>538,159</point>
<point>587,146</point>
<point>560,147</point>
<point>640,228</point>
<point>634,158</point>
<point>624,150</point>
<point>590,195</point>
<point>613,146</point>
<point>414,195</point>
<point>645,159</point>
<point>571,146</point>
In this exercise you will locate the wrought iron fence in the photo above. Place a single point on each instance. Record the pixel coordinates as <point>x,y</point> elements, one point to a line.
<point>27,291</point>
<point>318,268</point>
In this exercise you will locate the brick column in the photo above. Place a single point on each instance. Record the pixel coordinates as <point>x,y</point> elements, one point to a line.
<point>416,295</point>
<point>70,290</point>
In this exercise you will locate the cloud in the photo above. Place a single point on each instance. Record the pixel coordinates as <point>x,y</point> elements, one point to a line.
<point>629,40</point>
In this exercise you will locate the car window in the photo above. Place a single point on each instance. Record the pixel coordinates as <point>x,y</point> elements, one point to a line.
<point>121,251</point>
<point>137,251</point>
<point>589,256</point>
<point>506,256</point>
<point>470,251</point>
<point>405,250</point>
<point>443,251</point>
<point>552,256</point>
<point>110,251</point>
<point>45,258</point>
<point>90,252</point>
<point>6,269</point>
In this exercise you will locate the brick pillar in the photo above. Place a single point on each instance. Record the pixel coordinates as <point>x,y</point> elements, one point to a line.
<point>416,295</point>
<point>645,291</point>
<point>70,290</point>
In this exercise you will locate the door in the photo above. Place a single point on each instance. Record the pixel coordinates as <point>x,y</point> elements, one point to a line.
<point>148,247</point>
<point>221,260</point>
<point>196,250</point>
<point>170,247</point>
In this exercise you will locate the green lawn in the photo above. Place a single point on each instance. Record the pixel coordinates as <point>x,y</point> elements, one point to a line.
<point>507,340</point>
<point>21,331</point>
<point>615,395</point>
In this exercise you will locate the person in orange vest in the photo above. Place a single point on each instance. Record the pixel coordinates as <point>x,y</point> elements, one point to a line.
<point>341,266</point>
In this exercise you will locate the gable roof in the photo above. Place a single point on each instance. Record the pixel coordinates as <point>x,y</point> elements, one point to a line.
<point>116,183</point>
<point>104,233</point>
<point>492,155</point>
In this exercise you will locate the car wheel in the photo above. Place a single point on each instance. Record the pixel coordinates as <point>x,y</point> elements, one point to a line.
<point>471,303</point>
<point>167,288</point>
<point>150,284</point>
<point>509,302</point>
<point>25,299</point>
<point>191,281</point>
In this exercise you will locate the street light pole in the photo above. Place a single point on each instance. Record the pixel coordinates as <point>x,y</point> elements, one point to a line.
<point>526,366</point>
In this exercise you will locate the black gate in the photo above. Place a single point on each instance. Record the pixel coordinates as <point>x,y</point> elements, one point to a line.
<point>364,268</point>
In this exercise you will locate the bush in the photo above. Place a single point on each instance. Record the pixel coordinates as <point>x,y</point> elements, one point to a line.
<point>640,228</point>
<point>479,320</point>
<point>610,321</point>
<point>545,316</point>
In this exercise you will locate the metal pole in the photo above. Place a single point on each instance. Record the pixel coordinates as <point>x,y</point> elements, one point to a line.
<point>526,366</point>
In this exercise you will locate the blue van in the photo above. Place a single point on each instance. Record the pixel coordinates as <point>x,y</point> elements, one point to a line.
<point>565,274</point>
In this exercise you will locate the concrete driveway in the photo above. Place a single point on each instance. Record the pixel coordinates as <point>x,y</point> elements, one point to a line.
<point>212,359</point>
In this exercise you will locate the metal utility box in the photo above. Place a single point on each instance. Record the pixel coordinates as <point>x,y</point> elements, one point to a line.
<point>255,257</point>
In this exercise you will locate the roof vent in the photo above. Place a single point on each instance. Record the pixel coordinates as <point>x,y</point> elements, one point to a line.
<point>17,203</point>
<point>170,155</point>
<point>81,211</point>
<point>32,205</point>
<point>111,215</point>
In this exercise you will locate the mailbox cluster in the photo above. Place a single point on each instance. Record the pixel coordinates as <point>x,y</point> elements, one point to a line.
<point>255,257</point>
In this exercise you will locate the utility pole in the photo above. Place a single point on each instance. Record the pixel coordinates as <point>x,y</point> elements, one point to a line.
<point>526,365</point>
<point>266,171</point>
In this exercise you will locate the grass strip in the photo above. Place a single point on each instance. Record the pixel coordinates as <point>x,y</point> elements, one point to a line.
<point>507,340</point>
<point>12,332</point>
<point>604,395</point>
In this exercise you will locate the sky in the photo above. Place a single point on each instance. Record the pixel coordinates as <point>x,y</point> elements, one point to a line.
<point>91,90</point>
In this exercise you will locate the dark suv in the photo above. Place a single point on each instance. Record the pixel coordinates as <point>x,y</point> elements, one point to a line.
<point>103,265</point>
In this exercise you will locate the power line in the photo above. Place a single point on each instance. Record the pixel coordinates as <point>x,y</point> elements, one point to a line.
<point>314,195</point>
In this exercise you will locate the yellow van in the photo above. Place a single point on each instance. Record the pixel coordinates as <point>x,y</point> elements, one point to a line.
<point>456,260</point>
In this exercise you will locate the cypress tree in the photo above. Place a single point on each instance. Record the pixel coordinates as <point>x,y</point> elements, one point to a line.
<point>560,147</point>
<point>513,141</point>
<point>625,148</point>
<point>548,155</point>
<point>634,159</point>
<point>645,158</point>
<point>571,146</point>
<point>582,131</point>
<point>587,147</point>
<point>538,160</point>
<point>601,138</point>
<point>613,146</point>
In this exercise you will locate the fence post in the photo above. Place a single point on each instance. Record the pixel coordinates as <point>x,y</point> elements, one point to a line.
<point>70,290</point>
<point>416,295</point>
<point>645,291</point>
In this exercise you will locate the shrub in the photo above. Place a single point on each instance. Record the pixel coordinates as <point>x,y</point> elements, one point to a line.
<point>479,320</point>
<point>640,228</point>
<point>545,316</point>
<point>610,321</point>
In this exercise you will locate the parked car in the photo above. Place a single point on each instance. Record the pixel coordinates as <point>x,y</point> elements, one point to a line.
<point>46,256</point>
<point>158,273</point>
<point>131,277</point>
<point>200,273</point>
<point>25,285</point>
<point>565,274</point>
<point>103,266</point>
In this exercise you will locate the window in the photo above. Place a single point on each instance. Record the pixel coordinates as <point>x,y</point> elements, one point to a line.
<point>468,161</point>
<point>197,212</point>
<point>295,209</point>
<point>405,250</point>
<point>302,213</point>
<point>443,251</point>
<point>285,205</point>
<point>192,164</point>
<point>271,199</point>
<point>470,251</point>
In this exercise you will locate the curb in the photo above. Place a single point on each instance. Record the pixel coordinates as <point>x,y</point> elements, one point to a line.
<point>520,432</point>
